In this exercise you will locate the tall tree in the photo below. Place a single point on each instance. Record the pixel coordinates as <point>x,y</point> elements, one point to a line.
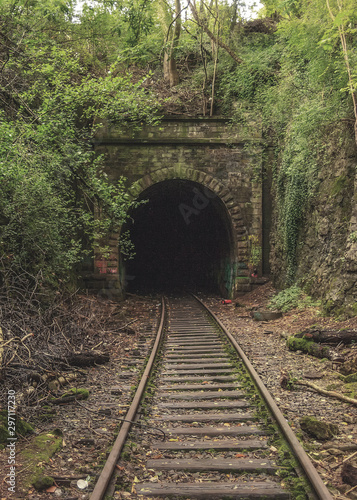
<point>344,17</point>
<point>172,40</point>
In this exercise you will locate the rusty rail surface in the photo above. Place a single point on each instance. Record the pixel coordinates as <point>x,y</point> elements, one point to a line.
<point>108,469</point>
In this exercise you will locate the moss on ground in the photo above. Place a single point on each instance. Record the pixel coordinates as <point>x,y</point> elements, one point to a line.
<point>35,457</point>
<point>348,379</point>
<point>351,390</point>
<point>75,392</point>
<point>22,427</point>
<point>318,429</point>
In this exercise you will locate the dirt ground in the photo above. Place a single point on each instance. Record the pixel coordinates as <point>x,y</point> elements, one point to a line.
<point>266,348</point>
<point>87,427</point>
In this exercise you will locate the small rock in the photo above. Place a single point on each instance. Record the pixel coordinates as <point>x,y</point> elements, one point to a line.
<point>317,428</point>
<point>265,315</point>
<point>349,474</point>
<point>116,390</point>
<point>86,441</point>
<point>107,411</point>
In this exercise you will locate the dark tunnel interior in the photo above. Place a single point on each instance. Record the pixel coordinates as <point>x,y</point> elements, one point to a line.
<point>182,240</point>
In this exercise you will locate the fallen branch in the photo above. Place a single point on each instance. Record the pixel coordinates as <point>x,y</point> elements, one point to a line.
<point>332,394</point>
<point>16,339</point>
<point>344,460</point>
<point>349,491</point>
<point>341,447</point>
<point>328,336</point>
<point>127,324</point>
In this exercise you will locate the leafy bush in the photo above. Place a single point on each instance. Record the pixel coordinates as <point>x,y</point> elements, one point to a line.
<point>52,184</point>
<point>291,298</point>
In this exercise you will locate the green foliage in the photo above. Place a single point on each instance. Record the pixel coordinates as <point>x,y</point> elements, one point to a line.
<point>61,74</point>
<point>22,428</point>
<point>340,184</point>
<point>51,182</point>
<point>286,299</point>
<point>291,298</point>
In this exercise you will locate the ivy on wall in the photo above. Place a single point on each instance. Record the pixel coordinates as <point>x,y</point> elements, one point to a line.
<point>295,80</point>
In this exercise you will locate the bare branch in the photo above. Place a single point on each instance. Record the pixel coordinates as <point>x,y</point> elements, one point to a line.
<point>215,39</point>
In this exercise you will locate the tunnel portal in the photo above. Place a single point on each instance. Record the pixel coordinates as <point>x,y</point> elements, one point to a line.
<point>183,240</point>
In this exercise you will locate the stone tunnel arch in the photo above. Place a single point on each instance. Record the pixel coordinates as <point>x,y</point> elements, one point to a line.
<point>206,151</point>
<point>199,205</point>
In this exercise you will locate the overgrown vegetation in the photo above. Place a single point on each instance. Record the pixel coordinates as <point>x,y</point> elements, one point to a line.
<point>297,80</point>
<point>291,298</point>
<point>55,91</point>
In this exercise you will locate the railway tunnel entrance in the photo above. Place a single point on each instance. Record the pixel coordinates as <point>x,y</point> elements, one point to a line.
<point>182,235</point>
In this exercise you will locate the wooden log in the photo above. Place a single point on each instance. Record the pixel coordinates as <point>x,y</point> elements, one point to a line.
<point>304,345</point>
<point>329,336</point>
<point>87,359</point>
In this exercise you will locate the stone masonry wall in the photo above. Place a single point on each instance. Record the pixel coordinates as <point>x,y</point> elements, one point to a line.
<point>327,252</point>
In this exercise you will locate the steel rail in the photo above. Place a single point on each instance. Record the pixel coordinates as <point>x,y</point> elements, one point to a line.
<point>315,480</point>
<point>108,469</point>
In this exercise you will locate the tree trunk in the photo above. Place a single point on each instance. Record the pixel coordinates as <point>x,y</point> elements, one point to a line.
<point>343,39</point>
<point>173,73</point>
<point>166,67</point>
<point>170,68</point>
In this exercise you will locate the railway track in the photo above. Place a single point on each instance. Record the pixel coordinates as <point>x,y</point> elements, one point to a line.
<point>214,430</point>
